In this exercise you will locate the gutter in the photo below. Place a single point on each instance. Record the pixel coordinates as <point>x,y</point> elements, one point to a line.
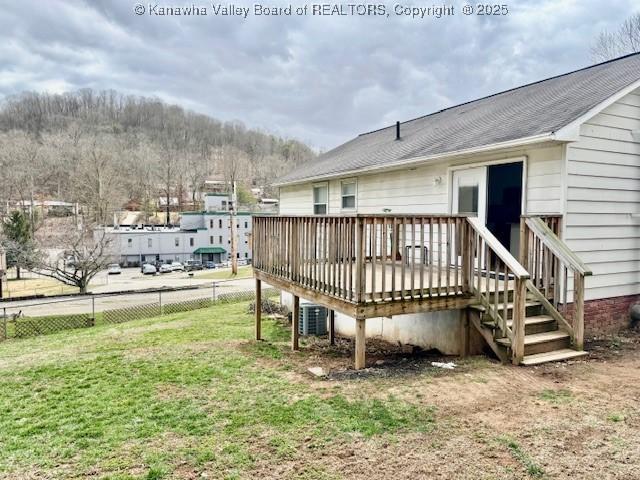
<point>543,137</point>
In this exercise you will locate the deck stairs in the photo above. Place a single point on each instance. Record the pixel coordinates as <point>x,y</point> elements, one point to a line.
<point>544,341</point>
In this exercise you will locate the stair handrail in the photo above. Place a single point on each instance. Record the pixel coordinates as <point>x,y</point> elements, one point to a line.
<point>551,259</point>
<point>477,251</point>
<point>557,246</point>
<point>518,270</point>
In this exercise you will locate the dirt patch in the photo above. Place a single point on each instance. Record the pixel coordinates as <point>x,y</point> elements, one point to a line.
<point>608,347</point>
<point>575,419</point>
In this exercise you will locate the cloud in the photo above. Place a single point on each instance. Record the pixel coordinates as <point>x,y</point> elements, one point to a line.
<point>319,79</point>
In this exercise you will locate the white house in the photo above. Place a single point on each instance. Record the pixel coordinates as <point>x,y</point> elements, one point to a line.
<point>564,151</point>
<point>203,236</point>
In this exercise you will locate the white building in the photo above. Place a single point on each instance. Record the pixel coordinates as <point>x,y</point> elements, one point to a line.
<point>203,236</point>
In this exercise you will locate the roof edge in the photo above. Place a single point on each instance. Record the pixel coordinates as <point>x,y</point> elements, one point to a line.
<point>549,136</point>
<point>570,132</point>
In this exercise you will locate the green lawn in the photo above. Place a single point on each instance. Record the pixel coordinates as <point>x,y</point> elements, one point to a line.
<point>174,397</point>
<point>243,272</point>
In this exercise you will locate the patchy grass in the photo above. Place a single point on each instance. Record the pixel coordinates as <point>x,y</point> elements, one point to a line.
<point>191,395</point>
<point>556,396</point>
<point>37,286</point>
<point>532,469</point>
<point>615,417</point>
<point>144,398</point>
<point>243,272</point>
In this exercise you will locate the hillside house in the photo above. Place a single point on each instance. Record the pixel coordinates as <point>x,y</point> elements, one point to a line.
<point>511,221</point>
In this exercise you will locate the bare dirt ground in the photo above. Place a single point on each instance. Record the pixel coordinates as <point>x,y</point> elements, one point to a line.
<point>577,419</point>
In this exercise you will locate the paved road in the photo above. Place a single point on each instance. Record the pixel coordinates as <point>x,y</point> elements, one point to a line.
<point>133,279</point>
<point>62,306</point>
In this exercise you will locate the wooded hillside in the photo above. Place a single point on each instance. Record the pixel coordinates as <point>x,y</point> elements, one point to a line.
<point>104,150</point>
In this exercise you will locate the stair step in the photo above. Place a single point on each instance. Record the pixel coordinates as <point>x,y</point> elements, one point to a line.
<point>554,356</point>
<point>536,338</point>
<point>532,308</point>
<point>534,320</point>
<point>541,342</point>
<point>481,308</point>
<point>533,324</point>
<point>537,324</point>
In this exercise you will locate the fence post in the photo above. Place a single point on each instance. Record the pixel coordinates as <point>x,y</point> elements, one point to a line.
<point>93,309</point>
<point>214,292</point>
<point>160,302</point>
<point>4,323</point>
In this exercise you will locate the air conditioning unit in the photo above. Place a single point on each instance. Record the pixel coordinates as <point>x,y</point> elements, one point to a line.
<point>313,320</point>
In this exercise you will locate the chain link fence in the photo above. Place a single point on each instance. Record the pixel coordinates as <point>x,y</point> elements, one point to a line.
<point>33,318</point>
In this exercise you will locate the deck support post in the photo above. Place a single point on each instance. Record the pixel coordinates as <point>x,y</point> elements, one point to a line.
<point>578,302</point>
<point>360,343</point>
<point>332,327</point>
<point>464,333</point>
<point>466,256</point>
<point>258,309</point>
<point>295,323</point>
<point>519,314</point>
<point>523,254</point>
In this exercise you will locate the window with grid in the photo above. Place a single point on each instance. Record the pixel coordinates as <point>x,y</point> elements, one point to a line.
<point>349,195</point>
<point>320,199</point>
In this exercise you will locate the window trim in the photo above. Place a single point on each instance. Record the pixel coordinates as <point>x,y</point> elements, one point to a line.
<point>313,197</point>
<point>355,194</point>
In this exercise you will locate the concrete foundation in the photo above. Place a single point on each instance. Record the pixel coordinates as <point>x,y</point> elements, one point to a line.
<point>440,330</point>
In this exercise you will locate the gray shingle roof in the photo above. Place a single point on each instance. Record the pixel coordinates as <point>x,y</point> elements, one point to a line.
<point>535,109</point>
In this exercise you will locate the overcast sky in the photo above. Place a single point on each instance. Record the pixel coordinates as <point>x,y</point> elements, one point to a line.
<point>318,79</point>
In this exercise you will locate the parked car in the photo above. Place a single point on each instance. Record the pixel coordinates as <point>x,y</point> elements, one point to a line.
<point>114,269</point>
<point>193,265</point>
<point>165,268</point>
<point>177,267</point>
<point>209,264</point>
<point>148,269</point>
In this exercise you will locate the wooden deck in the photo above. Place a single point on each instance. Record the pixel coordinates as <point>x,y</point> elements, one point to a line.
<point>383,265</point>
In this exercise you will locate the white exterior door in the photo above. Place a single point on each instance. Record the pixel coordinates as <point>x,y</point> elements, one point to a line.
<point>469,192</point>
<point>469,196</point>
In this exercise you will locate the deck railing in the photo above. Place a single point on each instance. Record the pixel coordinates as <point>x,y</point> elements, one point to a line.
<point>499,283</point>
<point>554,267</point>
<point>364,258</point>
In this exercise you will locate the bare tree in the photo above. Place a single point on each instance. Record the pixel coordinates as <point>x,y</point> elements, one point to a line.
<point>76,147</point>
<point>83,257</point>
<point>625,40</point>
<point>25,171</point>
<point>97,177</point>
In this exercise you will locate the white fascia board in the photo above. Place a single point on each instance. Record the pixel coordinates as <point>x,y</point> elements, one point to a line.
<point>430,158</point>
<point>571,131</point>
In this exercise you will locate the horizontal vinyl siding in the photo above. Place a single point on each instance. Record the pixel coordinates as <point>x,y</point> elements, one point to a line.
<point>544,180</point>
<point>405,191</point>
<point>424,189</point>
<point>296,200</point>
<point>603,199</point>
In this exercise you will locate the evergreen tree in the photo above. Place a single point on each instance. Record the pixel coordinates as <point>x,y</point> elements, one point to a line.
<point>19,245</point>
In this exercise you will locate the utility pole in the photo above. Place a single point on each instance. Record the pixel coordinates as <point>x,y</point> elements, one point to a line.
<point>234,230</point>
<point>3,272</point>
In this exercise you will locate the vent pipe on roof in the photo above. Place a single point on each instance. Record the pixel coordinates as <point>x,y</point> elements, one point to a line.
<point>397,130</point>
